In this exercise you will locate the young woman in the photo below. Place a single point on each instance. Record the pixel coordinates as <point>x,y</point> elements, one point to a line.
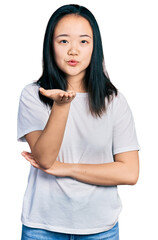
<point>81,134</point>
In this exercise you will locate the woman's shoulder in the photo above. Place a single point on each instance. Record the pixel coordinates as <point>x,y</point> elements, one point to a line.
<point>30,93</point>
<point>118,102</point>
<point>30,96</point>
<point>30,88</point>
<point>119,99</point>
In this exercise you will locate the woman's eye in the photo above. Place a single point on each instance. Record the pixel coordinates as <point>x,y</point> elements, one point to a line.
<point>63,41</point>
<point>84,41</point>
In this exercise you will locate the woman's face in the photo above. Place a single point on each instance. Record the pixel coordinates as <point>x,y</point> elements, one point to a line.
<point>73,45</point>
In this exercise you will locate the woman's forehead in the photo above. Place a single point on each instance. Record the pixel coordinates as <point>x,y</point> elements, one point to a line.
<point>73,25</point>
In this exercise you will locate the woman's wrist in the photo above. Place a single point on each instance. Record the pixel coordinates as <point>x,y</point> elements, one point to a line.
<point>70,169</point>
<point>63,105</point>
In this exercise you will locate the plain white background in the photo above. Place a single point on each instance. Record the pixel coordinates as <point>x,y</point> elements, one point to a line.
<point>130,43</point>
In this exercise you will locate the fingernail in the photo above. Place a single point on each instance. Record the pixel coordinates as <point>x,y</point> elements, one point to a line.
<point>23,152</point>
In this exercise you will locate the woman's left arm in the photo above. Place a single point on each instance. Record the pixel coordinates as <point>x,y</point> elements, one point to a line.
<point>123,171</point>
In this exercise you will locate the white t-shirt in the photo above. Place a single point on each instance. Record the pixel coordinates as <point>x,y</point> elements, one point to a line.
<point>63,204</point>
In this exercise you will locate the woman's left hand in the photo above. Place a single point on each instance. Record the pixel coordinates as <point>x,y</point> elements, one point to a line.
<point>57,169</point>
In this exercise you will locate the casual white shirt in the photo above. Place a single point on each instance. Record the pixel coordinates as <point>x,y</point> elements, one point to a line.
<point>63,204</point>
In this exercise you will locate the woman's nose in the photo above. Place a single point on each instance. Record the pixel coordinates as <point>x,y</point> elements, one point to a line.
<point>73,50</point>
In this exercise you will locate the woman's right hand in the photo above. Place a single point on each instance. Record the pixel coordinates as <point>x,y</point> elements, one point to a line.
<point>59,96</point>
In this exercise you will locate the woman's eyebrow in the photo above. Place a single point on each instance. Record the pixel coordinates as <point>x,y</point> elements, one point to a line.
<point>66,35</point>
<point>85,35</point>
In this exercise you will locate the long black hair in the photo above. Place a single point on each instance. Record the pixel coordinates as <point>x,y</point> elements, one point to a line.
<point>97,82</point>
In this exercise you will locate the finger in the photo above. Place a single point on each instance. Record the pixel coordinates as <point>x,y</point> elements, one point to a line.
<point>41,89</point>
<point>45,92</point>
<point>73,94</point>
<point>27,155</point>
<point>61,95</point>
<point>70,95</point>
<point>29,159</point>
<point>66,94</point>
<point>30,155</point>
<point>24,152</point>
<point>35,165</point>
<point>50,92</point>
<point>33,162</point>
<point>66,97</point>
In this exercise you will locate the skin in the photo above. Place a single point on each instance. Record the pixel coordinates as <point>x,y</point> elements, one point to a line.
<point>124,171</point>
<point>69,43</point>
<point>76,43</point>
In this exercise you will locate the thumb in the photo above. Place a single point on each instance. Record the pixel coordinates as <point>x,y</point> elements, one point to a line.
<point>41,89</point>
<point>44,91</point>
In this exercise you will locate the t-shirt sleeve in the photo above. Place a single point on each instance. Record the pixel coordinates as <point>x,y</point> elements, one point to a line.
<point>32,114</point>
<point>124,132</point>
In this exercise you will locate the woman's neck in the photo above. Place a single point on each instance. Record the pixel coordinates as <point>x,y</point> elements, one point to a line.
<point>76,85</point>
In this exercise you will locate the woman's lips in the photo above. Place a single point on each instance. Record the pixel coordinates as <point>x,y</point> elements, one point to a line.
<point>72,62</point>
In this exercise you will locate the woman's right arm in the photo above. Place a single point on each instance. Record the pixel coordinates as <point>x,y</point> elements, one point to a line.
<point>45,144</point>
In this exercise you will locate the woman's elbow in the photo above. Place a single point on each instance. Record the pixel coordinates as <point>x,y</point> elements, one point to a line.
<point>133,179</point>
<point>44,161</point>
